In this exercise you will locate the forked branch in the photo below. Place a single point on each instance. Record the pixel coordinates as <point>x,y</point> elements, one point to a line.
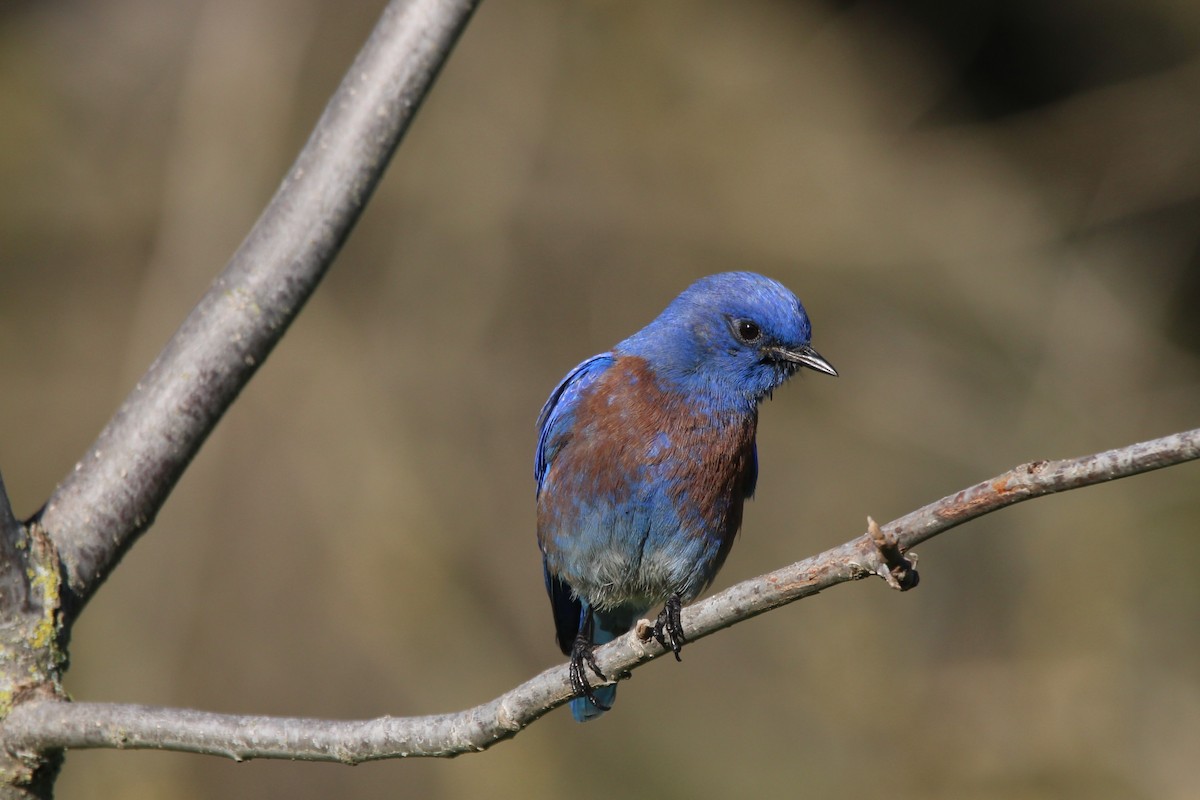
<point>882,551</point>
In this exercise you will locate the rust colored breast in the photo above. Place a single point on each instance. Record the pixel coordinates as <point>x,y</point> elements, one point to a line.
<point>651,478</point>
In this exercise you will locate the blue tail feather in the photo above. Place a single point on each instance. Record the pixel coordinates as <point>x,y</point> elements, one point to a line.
<point>583,710</point>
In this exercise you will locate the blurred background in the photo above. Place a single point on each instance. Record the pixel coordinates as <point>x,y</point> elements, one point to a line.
<point>990,209</point>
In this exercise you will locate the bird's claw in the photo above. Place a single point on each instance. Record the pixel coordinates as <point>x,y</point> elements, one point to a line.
<point>583,656</point>
<point>668,629</point>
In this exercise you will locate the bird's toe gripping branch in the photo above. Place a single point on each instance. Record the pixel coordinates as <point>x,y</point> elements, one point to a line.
<point>668,629</point>
<point>898,569</point>
<point>583,656</point>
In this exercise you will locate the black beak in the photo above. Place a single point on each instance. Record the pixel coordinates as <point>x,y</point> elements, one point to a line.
<point>806,357</point>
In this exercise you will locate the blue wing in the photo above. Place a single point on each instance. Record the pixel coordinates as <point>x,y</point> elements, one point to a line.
<point>559,410</point>
<point>567,608</point>
<point>557,415</point>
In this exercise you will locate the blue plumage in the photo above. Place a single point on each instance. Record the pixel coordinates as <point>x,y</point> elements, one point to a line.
<point>645,455</point>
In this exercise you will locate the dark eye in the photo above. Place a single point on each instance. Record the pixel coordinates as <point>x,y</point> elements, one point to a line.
<point>747,331</point>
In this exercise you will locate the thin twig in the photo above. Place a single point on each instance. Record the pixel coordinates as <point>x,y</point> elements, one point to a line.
<point>47,725</point>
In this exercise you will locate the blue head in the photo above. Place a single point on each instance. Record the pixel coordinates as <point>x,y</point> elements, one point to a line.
<point>734,337</point>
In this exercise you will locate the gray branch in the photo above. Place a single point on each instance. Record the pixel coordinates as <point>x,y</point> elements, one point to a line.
<point>43,725</point>
<point>114,493</point>
<point>52,565</point>
<point>14,584</point>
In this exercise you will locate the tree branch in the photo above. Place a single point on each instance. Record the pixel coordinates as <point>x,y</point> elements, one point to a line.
<point>45,725</point>
<point>32,647</point>
<point>114,493</point>
<point>14,584</point>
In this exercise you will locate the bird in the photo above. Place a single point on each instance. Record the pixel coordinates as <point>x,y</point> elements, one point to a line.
<point>645,455</point>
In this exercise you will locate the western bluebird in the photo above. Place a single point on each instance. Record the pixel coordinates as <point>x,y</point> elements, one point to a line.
<point>645,455</point>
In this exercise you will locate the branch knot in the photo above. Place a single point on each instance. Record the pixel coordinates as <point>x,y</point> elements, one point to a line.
<point>898,569</point>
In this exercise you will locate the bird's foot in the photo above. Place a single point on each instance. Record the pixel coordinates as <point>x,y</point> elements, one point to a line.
<point>668,630</point>
<point>583,656</point>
